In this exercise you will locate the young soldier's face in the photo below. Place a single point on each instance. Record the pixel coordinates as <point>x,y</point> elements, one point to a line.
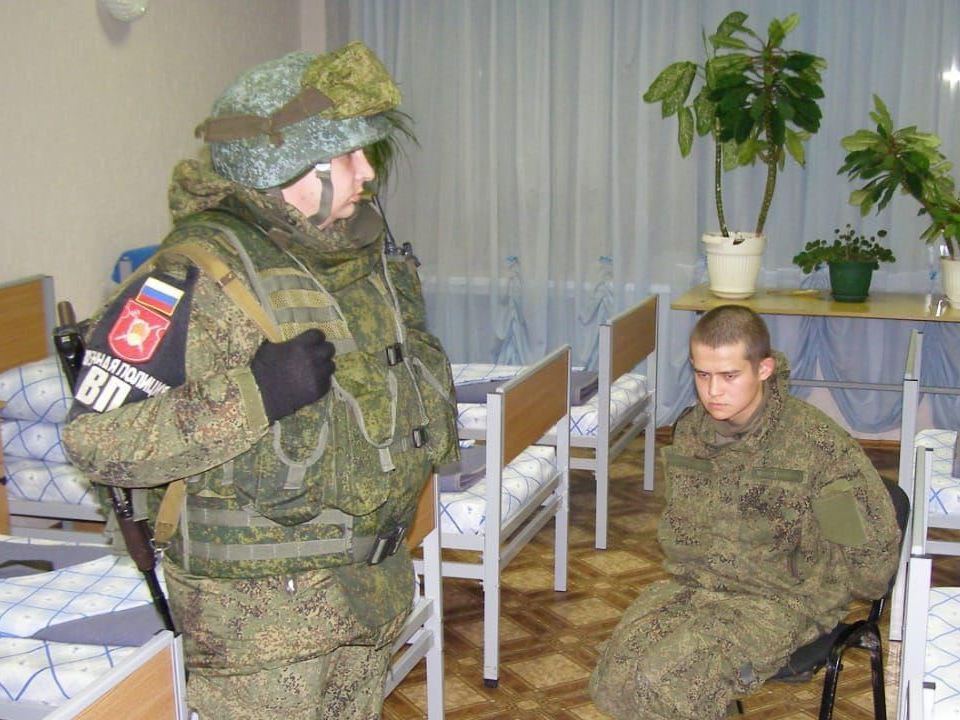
<point>729,386</point>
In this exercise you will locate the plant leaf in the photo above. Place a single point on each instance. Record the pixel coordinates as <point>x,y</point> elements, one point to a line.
<point>795,147</point>
<point>725,41</point>
<point>776,33</point>
<point>685,130</point>
<point>705,112</point>
<point>731,23</point>
<point>669,79</point>
<point>799,61</point>
<point>789,23</point>
<point>882,116</point>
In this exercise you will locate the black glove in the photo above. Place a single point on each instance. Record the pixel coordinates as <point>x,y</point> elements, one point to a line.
<point>293,373</point>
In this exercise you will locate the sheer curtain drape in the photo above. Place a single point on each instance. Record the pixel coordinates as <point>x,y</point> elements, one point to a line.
<point>546,195</point>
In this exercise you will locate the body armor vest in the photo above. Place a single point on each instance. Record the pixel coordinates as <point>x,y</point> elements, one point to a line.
<point>325,485</point>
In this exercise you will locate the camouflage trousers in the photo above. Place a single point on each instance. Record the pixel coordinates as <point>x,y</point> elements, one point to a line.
<point>684,653</point>
<point>309,646</point>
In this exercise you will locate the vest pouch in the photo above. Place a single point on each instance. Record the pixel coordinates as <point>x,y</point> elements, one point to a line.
<point>435,382</point>
<point>283,476</point>
<point>369,388</point>
<point>356,482</point>
<point>406,282</point>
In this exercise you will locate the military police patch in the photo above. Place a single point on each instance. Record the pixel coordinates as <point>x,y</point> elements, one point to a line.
<point>137,333</point>
<point>135,351</point>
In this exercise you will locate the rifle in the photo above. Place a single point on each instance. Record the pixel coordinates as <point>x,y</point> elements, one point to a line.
<point>136,533</point>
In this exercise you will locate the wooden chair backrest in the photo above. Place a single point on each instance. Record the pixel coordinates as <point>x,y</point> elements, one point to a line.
<point>633,336</point>
<point>26,320</point>
<point>425,518</point>
<point>535,401</point>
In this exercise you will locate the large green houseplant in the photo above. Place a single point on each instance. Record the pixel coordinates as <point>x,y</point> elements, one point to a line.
<point>905,159</point>
<point>758,102</point>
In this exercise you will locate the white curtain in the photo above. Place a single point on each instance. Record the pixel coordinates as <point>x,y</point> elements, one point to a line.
<point>544,182</point>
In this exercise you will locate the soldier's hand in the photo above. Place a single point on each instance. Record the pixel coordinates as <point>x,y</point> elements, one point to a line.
<point>293,373</point>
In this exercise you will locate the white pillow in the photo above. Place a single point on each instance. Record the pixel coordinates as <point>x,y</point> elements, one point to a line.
<point>35,391</point>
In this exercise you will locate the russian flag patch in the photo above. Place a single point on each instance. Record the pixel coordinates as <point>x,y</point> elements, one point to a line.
<point>159,295</point>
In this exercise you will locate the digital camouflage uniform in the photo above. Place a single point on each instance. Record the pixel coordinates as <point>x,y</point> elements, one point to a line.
<point>267,575</point>
<point>768,534</point>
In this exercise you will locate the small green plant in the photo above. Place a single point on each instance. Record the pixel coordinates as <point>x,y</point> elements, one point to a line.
<point>848,246</point>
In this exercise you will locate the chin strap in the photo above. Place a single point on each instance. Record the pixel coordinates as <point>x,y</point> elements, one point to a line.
<point>322,171</point>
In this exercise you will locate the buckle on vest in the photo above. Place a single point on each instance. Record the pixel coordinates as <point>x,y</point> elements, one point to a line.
<point>386,544</point>
<point>394,354</point>
<point>419,436</point>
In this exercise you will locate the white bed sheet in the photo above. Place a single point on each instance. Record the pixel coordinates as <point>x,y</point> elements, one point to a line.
<point>626,391</point>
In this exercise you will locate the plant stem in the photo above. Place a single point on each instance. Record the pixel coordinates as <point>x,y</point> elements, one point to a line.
<point>718,180</point>
<point>771,162</point>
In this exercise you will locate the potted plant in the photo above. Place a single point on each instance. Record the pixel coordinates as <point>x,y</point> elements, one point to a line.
<point>759,103</point>
<point>851,258</point>
<point>909,160</point>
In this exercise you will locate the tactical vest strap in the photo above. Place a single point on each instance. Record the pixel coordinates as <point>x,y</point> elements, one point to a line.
<point>230,284</point>
<point>358,548</point>
<point>168,515</point>
<point>247,518</point>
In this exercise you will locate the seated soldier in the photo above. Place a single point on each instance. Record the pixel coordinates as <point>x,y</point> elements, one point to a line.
<point>775,520</point>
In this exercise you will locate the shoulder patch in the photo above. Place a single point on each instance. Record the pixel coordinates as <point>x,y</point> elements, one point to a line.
<point>137,333</point>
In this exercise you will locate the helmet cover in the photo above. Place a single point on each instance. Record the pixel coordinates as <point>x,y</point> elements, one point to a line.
<point>282,117</point>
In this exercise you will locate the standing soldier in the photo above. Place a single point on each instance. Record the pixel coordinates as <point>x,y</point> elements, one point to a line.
<point>270,378</point>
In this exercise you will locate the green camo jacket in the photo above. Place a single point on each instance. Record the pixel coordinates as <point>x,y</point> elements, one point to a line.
<point>794,509</point>
<point>342,467</point>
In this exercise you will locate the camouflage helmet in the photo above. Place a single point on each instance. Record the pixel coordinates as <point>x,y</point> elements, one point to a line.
<point>280,118</point>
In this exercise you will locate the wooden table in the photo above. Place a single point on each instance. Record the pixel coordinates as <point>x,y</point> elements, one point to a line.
<point>818,303</point>
<point>785,301</point>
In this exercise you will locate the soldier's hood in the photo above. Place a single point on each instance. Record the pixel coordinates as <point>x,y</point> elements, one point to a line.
<point>195,187</point>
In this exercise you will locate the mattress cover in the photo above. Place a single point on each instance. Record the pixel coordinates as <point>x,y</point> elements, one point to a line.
<point>33,439</point>
<point>29,603</point>
<point>41,671</point>
<point>42,481</point>
<point>942,664</point>
<point>49,673</point>
<point>35,391</point>
<point>626,392</point>
<point>944,489</point>
<point>465,512</point>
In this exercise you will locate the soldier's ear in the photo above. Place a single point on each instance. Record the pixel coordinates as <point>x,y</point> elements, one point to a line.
<point>767,367</point>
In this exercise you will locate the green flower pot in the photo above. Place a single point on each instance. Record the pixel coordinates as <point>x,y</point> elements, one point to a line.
<point>850,280</point>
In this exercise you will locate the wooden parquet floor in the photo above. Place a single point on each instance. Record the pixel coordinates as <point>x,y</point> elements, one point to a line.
<point>548,639</point>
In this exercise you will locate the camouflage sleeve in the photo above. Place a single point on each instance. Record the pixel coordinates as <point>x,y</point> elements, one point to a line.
<point>855,514</point>
<point>204,406</point>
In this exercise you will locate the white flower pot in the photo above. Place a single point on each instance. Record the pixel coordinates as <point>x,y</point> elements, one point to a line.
<point>950,272</point>
<point>733,263</point>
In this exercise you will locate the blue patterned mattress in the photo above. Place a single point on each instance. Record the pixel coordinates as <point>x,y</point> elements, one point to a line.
<point>37,608</point>
<point>944,488</point>
<point>626,391</point>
